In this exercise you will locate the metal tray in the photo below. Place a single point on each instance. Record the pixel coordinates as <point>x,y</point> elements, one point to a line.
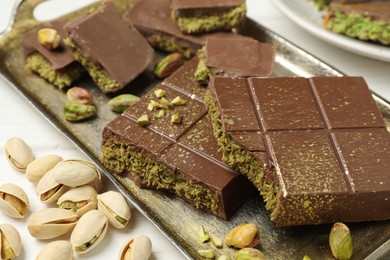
<point>178,220</point>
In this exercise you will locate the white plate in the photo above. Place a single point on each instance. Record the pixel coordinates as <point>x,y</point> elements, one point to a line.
<point>306,15</point>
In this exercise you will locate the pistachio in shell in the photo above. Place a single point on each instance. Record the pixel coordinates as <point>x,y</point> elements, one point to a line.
<point>48,189</point>
<point>40,166</point>
<point>136,248</point>
<point>244,235</point>
<point>114,206</point>
<point>80,200</point>
<point>18,153</point>
<point>74,173</point>
<point>10,242</point>
<point>13,200</point>
<point>89,231</point>
<point>56,250</point>
<point>51,222</point>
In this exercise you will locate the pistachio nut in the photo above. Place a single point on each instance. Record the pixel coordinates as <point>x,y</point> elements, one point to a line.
<point>206,253</point>
<point>114,206</point>
<point>56,250</point>
<point>74,173</point>
<point>79,95</point>
<point>168,65</point>
<point>306,257</point>
<point>10,242</point>
<point>39,167</point>
<point>89,231</point>
<point>340,241</point>
<point>143,120</point>
<point>49,38</point>
<point>223,257</point>
<point>136,248</point>
<point>51,222</point>
<point>18,153</point>
<point>250,254</point>
<point>80,200</point>
<point>216,241</point>
<point>203,235</point>
<point>160,93</point>
<point>244,235</point>
<point>48,189</point>
<point>122,102</point>
<point>74,111</point>
<point>13,200</point>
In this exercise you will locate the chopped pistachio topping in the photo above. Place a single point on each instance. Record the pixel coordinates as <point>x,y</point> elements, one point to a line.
<point>165,103</point>
<point>177,101</point>
<point>159,114</point>
<point>206,253</point>
<point>153,104</point>
<point>203,235</point>
<point>143,120</point>
<point>216,241</point>
<point>176,118</point>
<point>159,93</point>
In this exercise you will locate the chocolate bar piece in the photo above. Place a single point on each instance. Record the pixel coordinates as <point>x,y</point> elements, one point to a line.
<point>180,157</point>
<point>56,66</point>
<point>368,21</point>
<point>197,16</point>
<point>153,19</point>
<point>317,149</point>
<point>235,57</point>
<point>112,52</point>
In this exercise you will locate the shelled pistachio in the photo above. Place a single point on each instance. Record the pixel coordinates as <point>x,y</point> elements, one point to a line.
<point>340,241</point>
<point>18,153</point>
<point>115,207</point>
<point>80,200</point>
<point>49,38</point>
<point>244,235</point>
<point>11,243</point>
<point>122,102</point>
<point>13,200</point>
<point>40,166</point>
<point>250,254</point>
<point>136,248</point>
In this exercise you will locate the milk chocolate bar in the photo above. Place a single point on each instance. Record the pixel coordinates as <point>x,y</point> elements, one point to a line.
<point>57,65</point>
<point>368,21</point>
<point>153,19</point>
<point>235,57</point>
<point>179,157</point>
<point>112,52</point>
<point>198,16</point>
<point>317,149</point>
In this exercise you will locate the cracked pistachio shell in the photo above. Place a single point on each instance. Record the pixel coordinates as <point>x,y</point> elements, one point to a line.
<point>74,173</point>
<point>10,242</point>
<point>56,250</point>
<point>89,231</point>
<point>48,189</point>
<point>40,166</point>
<point>137,248</point>
<point>115,207</point>
<point>13,200</point>
<point>18,153</point>
<point>51,222</point>
<point>82,199</point>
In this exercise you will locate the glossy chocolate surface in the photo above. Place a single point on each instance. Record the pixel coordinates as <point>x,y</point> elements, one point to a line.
<point>327,144</point>
<point>189,149</point>
<point>106,40</point>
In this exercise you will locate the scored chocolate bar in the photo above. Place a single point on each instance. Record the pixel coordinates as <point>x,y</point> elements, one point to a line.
<point>317,149</point>
<point>180,156</point>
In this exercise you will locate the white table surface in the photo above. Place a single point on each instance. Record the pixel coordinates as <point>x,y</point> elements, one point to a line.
<point>18,118</point>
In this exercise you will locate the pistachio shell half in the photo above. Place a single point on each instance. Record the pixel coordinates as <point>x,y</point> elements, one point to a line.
<point>56,250</point>
<point>137,248</point>
<point>39,167</point>
<point>89,231</point>
<point>48,189</point>
<point>74,173</point>
<point>18,153</point>
<point>13,200</point>
<point>80,200</point>
<point>51,222</point>
<point>115,208</point>
<point>10,242</point>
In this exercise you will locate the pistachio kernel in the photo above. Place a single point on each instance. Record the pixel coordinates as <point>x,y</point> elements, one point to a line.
<point>177,101</point>
<point>79,95</point>
<point>120,103</point>
<point>159,93</point>
<point>206,253</point>
<point>168,65</point>
<point>223,257</point>
<point>49,38</point>
<point>250,254</point>
<point>306,257</point>
<point>153,104</point>
<point>159,114</point>
<point>73,111</point>
<point>203,235</point>
<point>216,241</point>
<point>176,118</point>
<point>143,120</point>
<point>165,103</point>
<point>340,241</point>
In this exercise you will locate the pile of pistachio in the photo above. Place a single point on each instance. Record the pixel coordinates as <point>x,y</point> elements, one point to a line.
<point>74,185</point>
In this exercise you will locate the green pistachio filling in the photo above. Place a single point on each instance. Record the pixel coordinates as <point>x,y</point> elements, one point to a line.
<point>61,78</point>
<point>121,220</point>
<point>6,249</point>
<point>321,4</point>
<point>359,26</point>
<point>69,205</point>
<point>229,19</point>
<point>120,158</point>
<point>98,75</point>
<point>170,44</point>
<point>202,74</point>
<point>241,160</point>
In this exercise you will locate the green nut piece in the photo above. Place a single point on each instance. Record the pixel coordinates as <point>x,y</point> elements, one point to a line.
<point>165,103</point>
<point>250,254</point>
<point>340,241</point>
<point>223,257</point>
<point>159,114</point>
<point>168,65</point>
<point>49,38</point>
<point>79,95</point>
<point>177,101</point>
<point>143,120</point>
<point>206,253</point>
<point>306,257</point>
<point>122,102</point>
<point>74,111</point>
<point>176,118</point>
<point>203,235</point>
<point>153,104</point>
<point>216,241</point>
<point>159,93</point>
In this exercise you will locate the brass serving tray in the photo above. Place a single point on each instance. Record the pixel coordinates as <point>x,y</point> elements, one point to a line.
<point>178,220</point>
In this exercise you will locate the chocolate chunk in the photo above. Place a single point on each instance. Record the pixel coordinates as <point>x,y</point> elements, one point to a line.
<point>182,158</point>
<point>113,52</point>
<point>153,19</point>
<point>327,145</point>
